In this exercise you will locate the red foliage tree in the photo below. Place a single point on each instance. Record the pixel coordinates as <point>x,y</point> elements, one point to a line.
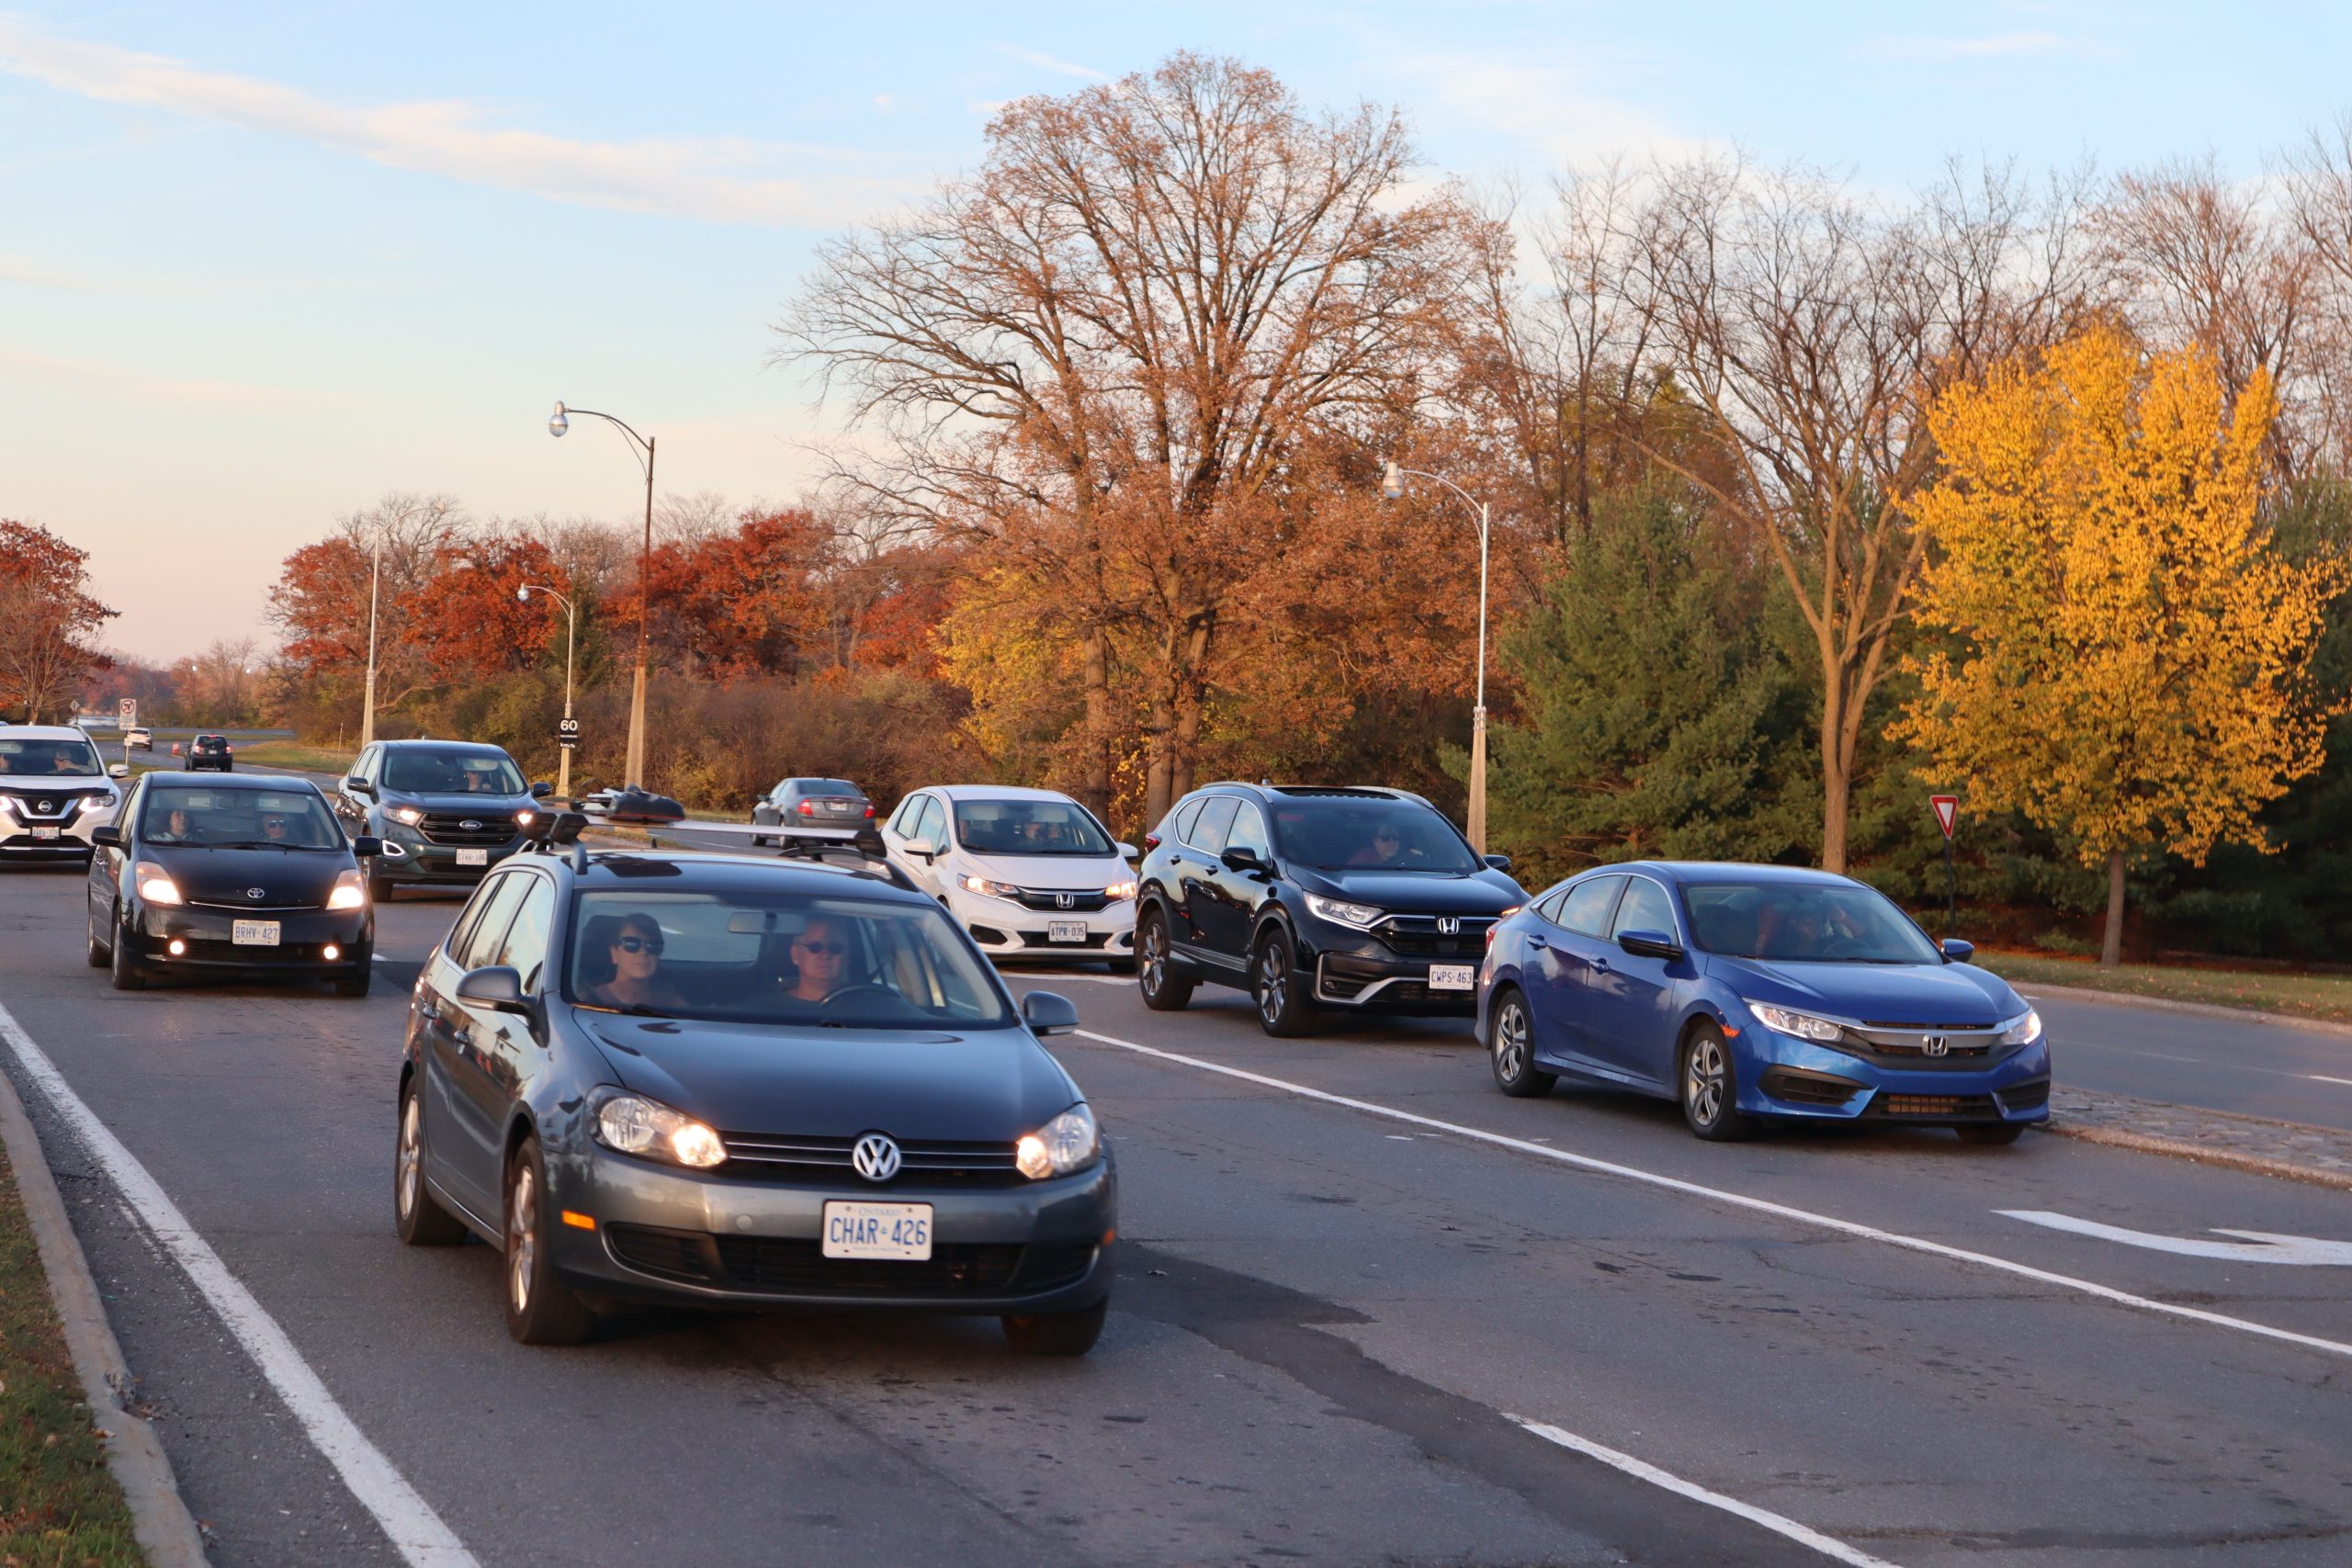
<point>49,623</point>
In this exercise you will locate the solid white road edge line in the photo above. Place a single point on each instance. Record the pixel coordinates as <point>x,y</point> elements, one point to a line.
<point>423,1541</point>
<point>2322,1078</point>
<point>1758,1205</point>
<point>1828,1546</point>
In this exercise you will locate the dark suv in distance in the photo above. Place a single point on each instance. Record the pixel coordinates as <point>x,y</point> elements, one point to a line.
<point>211,752</point>
<point>1360,899</point>
<point>446,811</point>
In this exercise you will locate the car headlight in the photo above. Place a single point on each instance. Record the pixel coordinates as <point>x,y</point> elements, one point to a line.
<point>524,818</point>
<point>156,885</point>
<point>8,806</point>
<point>1804,1025</point>
<point>350,892</point>
<point>633,1125</point>
<point>1119,890</point>
<point>407,816</point>
<point>985,888</point>
<point>2022,1030</point>
<point>1069,1142</point>
<point>1363,917</point>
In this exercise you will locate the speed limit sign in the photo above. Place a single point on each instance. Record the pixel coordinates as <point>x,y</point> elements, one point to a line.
<point>567,733</point>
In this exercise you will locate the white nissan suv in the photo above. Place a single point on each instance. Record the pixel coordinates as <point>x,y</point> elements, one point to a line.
<point>54,792</point>
<point>1031,873</point>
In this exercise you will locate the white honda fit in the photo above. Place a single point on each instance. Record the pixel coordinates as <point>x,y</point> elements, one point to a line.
<point>1030,873</point>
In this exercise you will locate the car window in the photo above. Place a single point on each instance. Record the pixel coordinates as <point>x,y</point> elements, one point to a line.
<point>240,818</point>
<point>1029,827</point>
<point>1548,907</point>
<point>451,770</point>
<point>488,932</point>
<point>1249,831</point>
<point>1187,816</point>
<point>770,955</point>
<point>1585,907</point>
<point>1645,908</point>
<point>524,946</point>
<point>41,758</point>
<point>1376,834</point>
<point>902,820</point>
<point>932,823</point>
<point>1208,835</point>
<point>1804,922</point>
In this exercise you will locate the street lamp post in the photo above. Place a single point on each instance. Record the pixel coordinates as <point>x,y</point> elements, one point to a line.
<point>1391,487</point>
<point>571,640</point>
<point>641,449</point>
<point>375,581</point>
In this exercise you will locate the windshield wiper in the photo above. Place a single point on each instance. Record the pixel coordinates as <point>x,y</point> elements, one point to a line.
<point>631,1010</point>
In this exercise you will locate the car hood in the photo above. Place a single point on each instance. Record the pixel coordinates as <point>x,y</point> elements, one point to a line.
<point>986,1086</point>
<point>1907,994</point>
<point>1488,892</point>
<point>208,875</point>
<point>463,804</point>
<point>1051,874</point>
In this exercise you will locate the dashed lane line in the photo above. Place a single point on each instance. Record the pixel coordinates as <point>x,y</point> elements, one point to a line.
<point>1758,1205</point>
<point>415,1530</point>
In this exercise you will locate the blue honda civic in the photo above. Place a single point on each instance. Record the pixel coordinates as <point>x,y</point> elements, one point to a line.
<point>1745,992</point>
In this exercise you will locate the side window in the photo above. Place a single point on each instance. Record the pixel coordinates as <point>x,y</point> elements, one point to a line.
<point>526,945</point>
<point>1249,831</point>
<point>1215,820</point>
<point>370,763</point>
<point>126,815</point>
<point>1585,907</point>
<point>1645,908</point>
<point>902,820</point>
<point>1548,907</point>
<point>932,823</point>
<point>1187,814</point>
<point>472,945</point>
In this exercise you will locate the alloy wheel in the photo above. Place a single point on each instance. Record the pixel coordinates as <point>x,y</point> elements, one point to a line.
<point>522,1238</point>
<point>1154,961</point>
<point>1274,981</point>
<point>1703,1080</point>
<point>1511,1042</point>
<point>412,1155</point>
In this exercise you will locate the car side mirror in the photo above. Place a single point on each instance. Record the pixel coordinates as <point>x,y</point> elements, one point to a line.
<point>1956,950</point>
<point>541,790</point>
<point>1498,863</point>
<point>367,845</point>
<point>118,770</point>
<point>1241,859</point>
<point>923,847</point>
<point>1047,1013</point>
<point>107,838</point>
<point>1126,851</point>
<point>1649,945</point>
<point>358,786</point>
<point>498,988</point>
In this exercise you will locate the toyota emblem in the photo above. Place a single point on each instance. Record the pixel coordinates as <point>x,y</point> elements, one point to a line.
<point>256,892</point>
<point>1935,1045</point>
<point>1063,900</point>
<point>469,825</point>
<point>875,1156</point>
<point>1448,925</point>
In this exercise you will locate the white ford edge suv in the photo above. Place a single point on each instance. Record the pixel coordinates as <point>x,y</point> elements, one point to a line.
<point>1031,873</point>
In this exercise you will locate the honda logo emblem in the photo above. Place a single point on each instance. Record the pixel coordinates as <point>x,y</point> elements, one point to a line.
<point>1935,1045</point>
<point>1064,900</point>
<point>875,1156</point>
<point>1448,925</point>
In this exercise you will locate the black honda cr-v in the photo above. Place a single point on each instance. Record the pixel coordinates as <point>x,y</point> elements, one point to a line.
<point>1365,900</point>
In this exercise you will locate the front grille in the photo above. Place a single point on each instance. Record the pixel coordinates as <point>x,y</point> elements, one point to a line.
<point>1799,1087</point>
<point>1975,1040</point>
<point>445,827</point>
<point>826,1162</point>
<point>1041,939</point>
<point>241,907</point>
<point>1047,899</point>
<point>1417,936</point>
<point>800,1267</point>
<point>2027,1096</point>
<point>44,807</point>
<point>1936,1105</point>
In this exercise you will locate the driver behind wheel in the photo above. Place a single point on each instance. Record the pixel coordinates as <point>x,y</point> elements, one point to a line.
<point>820,954</point>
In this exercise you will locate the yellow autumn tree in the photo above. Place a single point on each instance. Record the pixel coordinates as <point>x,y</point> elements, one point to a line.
<point>2128,653</point>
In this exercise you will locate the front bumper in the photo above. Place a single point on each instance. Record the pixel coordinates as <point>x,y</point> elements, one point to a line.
<point>1363,973</point>
<point>1010,931</point>
<point>1800,1079</point>
<point>409,857</point>
<point>667,1234</point>
<point>64,838</point>
<point>207,940</point>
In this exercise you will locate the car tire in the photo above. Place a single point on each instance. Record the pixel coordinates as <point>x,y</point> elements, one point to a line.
<point>1163,990</point>
<point>540,1308</point>
<point>380,888</point>
<point>98,954</point>
<point>1707,1085</point>
<point>1996,1134</point>
<point>1278,990</point>
<point>124,971</point>
<point>1510,1049</point>
<point>356,986</point>
<point>418,1218</point>
<point>1057,1333</point>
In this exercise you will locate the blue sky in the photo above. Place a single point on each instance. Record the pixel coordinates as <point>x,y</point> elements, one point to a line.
<point>259,264</point>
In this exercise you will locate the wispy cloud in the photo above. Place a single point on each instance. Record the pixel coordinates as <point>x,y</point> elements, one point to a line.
<point>1047,62</point>
<point>206,392</point>
<point>1550,106</point>
<point>717,180</point>
<point>1992,46</point>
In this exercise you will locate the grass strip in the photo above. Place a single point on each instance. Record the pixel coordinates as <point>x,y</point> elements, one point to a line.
<point>59,1504</point>
<point>294,754</point>
<point>2324,996</point>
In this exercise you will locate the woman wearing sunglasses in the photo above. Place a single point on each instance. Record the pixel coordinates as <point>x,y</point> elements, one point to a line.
<point>637,980</point>
<point>820,952</point>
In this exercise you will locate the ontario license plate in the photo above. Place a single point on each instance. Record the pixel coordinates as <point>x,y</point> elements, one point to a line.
<point>254,933</point>
<point>1453,976</point>
<point>877,1230</point>
<point>1065,930</point>
<point>41,831</point>
<point>474,857</point>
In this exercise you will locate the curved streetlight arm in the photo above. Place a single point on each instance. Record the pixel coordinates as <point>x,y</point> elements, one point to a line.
<point>1391,487</point>
<point>1470,501</point>
<point>642,449</point>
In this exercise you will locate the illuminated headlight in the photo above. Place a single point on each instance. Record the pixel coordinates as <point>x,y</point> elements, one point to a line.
<point>2022,1030</point>
<point>8,806</point>
<point>650,1130</point>
<point>1069,1142</point>
<point>1119,890</point>
<point>1363,917</point>
<point>985,888</point>
<point>350,892</point>
<point>156,885</point>
<point>1804,1025</point>
<point>406,815</point>
<point>524,818</point>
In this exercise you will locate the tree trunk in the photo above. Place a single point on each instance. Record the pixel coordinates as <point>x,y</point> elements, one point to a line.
<point>1094,780</point>
<point>1192,700</point>
<point>1837,790</point>
<point>2110,950</point>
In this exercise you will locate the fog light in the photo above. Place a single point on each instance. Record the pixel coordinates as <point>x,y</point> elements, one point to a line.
<point>177,947</point>
<point>331,952</point>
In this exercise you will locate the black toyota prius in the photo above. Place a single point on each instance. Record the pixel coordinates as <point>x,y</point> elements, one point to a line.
<point>745,1084</point>
<point>233,875</point>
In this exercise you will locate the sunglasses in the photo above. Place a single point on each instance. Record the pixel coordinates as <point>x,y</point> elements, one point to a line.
<point>639,944</point>
<point>829,948</point>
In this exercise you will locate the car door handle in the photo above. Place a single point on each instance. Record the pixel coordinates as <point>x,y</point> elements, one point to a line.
<point>1600,963</point>
<point>1537,938</point>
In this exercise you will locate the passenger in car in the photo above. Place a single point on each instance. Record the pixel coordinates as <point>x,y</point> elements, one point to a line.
<point>820,954</point>
<point>638,980</point>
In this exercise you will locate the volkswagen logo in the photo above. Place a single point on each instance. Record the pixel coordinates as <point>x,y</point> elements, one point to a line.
<point>1064,900</point>
<point>471,825</point>
<point>875,1156</point>
<point>256,892</point>
<point>1935,1045</point>
<point>1448,925</point>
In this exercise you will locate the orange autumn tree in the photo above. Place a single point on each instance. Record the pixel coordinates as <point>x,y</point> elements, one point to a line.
<point>2131,651</point>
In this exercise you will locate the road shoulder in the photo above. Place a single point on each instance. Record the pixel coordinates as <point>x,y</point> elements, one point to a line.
<point>2289,1150</point>
<point>2033,988</point>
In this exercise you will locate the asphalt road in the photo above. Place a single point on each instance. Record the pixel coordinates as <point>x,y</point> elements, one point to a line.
<point>1331,1321</point>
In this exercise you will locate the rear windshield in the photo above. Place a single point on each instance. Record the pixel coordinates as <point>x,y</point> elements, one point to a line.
<point>1029,827</point>
<point>452,772</point>
<point>774,957</point>
<point>240,818</point>
<point>826,786</point>
<point>44,759</point>
<point>1377,835</point>
<point>1805,923</point>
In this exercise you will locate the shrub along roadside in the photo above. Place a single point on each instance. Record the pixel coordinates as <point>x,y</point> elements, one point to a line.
<point>59,1504</point>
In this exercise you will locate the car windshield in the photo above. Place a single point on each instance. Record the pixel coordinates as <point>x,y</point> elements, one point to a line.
<point>451,772</point>
<point>46,759</point>
<point>771,956</point>
<point>1805,923</point>
<point>240,818</point>
<point>1029,827</point>
<point>824,786</point>
<point>1377,835</point>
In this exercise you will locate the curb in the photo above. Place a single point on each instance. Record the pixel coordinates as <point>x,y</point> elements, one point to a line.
<point>2195,1010</point>
<point>160,1519</point>
<point>2227,1160</point>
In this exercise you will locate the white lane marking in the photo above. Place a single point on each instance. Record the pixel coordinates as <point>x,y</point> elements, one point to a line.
<point>1828,1546</point>
<point>2322,1078</point>
<point>1061,975</point>
<point>423,1541</point>
<point>1759,1206</point>
<point>2259,1247</point>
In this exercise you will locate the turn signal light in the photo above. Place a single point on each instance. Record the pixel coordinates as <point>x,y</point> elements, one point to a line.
<point>578,1220</point>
